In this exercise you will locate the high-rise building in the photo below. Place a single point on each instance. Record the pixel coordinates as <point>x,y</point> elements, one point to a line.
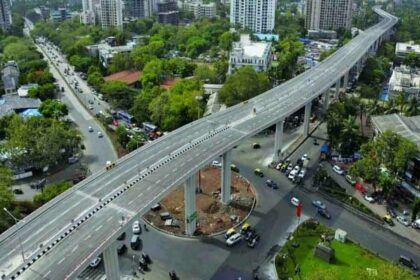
<point>5,15</point>
<point>328,14</point>
<point>168,12</point>
<point>138,8</point>
<point>256,15</point>
<point>88,14</point>
<point>111,13</point>
<point>199,9</point>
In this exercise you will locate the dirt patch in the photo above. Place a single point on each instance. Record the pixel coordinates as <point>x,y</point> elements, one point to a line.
<point>213,216</point>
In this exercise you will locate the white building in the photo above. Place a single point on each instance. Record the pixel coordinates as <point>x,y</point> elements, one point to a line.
<point>199,9</point>
<point>245,52</point>
<point>111,13</point>
<point>402,49</point>
<point>405,79</point>
<point>328,14</point>
<point>5,15</point>
<point>88,14</point>
<point>255,15</point>
<point>105,51</point>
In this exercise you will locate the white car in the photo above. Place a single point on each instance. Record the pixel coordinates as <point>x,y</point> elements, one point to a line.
<point>369,198</point>
<point>305,157</point>
<point>295,201</point>
<point>95,263</point>
<point>216,163</point>
<point>100,135</point>
<point>90,129</point>
<point>403,220</point>
<point>302,173</point>
<point>337,169</point>
<point>136,227</point>
<point>233,239</point>
<point>292,174</point>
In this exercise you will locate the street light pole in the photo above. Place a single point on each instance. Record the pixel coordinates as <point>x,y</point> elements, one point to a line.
<point>19,237</point>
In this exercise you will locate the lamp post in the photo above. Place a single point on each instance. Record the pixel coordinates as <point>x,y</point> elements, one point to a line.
<point>19,237</point>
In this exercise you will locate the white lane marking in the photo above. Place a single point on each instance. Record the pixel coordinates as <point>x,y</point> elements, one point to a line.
<point>166,176</point>
<point>109,219</point>
<point>158,181</point>
<point>148,188</point>
<point>46,274</point>
<point>75,248</point>
<point>140,194</point>
<point>62,260</point>
<point>131,201</point>
<point>87,237</point>
<point>98,228</point>
<point>10,252</point>
<point>175,169</point>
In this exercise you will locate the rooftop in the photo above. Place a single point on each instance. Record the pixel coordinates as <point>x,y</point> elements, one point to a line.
<point>128,76</point>
<point>407,47</point>
<point>13,103</point>
<point>249,48</point>
<point>408,127</point>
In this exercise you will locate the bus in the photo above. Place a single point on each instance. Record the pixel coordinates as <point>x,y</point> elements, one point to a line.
<point>126,117</point>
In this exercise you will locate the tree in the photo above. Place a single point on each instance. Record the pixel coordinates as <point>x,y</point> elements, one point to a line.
<point>118,94</point>
<point>153,74</point>
<point>205,73</point>
<point>140,109</point>
<point>349,137</point>
<point>400,100</point>
<point>413,107</point>
<point>326,53</point>
<point>412,59</point>
<point>6,197</point>
<point>95,79</point>
<point>81,63</point>
<point>43,92</point>
<point>179,67</point>
<point>53,109</point>
<point>244,84</point>
<point>334,127</point>
<point>120,62</point>
<point>51,191</point>
<point>122,135</point>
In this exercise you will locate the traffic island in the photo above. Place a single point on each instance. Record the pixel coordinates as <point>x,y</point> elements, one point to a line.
<point>212,216</point>
<point>315,251</point>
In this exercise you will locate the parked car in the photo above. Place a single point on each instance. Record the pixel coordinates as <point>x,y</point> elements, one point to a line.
<point>403,220</point>
<point>304,157</point>
<point>121,237</point>
<point>295,201</point>
<point>337,169</point>
<point>121,249</point>
<point>350,180</point>
<point>256,146</point>
<point>245,228</point>
<point>271,184</point>
<point>408,262</point>
<point>237,237</point>
<point>369,198</point>
<point>258,172</point>
<point>302,173</point>
<point>391,211</point>
<point>388,220</point>
<point>95,262</point>
<point>324,213</point>
<point>17,191</point>
<point>136,227</point>
<point>319,204</point>
<point>155,207</point>
<point>216,163</point>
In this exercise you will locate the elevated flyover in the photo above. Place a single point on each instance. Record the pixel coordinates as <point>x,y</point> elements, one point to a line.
<point>59,239</point>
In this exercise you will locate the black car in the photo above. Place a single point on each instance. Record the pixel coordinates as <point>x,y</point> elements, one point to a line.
<point>121,249</point>
<point>408,262</point>
<point>271,184</point>
<point>146,258</point>
<point>324,213</point>
<point>391,211</point>
<point>121,237</point>
<point>143,264</point>
<point>254,241</point>
<point>17,191</point>
<point>250,234</point>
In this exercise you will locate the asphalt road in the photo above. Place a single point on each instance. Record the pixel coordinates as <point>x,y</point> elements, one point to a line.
<point>63,236</point>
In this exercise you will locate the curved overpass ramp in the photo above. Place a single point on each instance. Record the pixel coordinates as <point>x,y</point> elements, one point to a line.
<point>61,238</point>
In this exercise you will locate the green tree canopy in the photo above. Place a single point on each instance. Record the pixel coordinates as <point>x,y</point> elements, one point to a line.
<point>118,94</point>
<point>53,109</point>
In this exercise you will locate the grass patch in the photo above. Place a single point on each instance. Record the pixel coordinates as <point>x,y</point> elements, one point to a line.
<point>351,261</point>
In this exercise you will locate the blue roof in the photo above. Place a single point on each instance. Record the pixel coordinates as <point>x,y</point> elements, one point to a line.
<point>267,37</point>
<point>325,148</point>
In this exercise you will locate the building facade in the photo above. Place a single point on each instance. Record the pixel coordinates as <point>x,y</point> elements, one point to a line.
<point>88,14</point>
<point>5,15</point>
<point>402,49</point>
<point>249,53</point>
<point>405,79</point>
<point>111,13</point>
<point>138,8</point>
<point>168,12</point>
<point>255,15</point>
<point>10,77</point>
<point>328,14</point>
<point>199,9</point>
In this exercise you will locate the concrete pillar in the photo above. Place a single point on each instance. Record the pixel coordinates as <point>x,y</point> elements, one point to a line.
<point>346,81</point>
<point>226,177</point>
<point>307,119</point>
<point>326,100</point>
<point>337,88</point>
<point>190,205</point>
<point>112,268</point>
<point>278,141</point>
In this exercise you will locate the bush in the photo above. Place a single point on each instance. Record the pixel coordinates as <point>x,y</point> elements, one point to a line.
<point>52,191</point>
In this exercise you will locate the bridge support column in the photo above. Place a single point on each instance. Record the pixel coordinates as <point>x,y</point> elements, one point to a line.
<point>112,268</point>
<point>226,177</point>
<point>190,205</point>
<point>337,88</point>
<point>326,100</point>
<point>278,141</point>
<point>307,119</point>
<point>346,81</point>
